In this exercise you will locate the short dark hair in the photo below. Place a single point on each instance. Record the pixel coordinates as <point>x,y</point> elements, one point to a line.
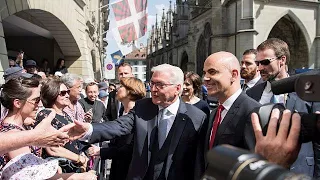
<point>250,51</point>
<point>50,90</point>
<point>91,84</point>
<point>17,88</point>
<point>124,64</point>
<point>279,47</point>
<point>196,81</point>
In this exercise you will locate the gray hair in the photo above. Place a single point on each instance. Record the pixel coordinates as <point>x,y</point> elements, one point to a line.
<point>70,79</point>
<point>176,74</point>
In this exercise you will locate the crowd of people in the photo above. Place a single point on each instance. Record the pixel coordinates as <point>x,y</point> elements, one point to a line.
<point>58,125</point>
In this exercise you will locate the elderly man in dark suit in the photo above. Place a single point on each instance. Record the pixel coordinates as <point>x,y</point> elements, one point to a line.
<point>227,122</point>
<point>166,130</point>
<point>272,59</point>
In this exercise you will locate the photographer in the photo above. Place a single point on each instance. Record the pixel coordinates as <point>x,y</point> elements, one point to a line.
<point>283,147</point>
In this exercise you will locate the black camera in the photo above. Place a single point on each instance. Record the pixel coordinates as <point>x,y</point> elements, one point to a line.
<point>226,162</point>
<point>307,86</point>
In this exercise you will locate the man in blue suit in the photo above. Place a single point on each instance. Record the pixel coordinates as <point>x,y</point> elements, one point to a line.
<point>272,59</point>
<point>166,130</point>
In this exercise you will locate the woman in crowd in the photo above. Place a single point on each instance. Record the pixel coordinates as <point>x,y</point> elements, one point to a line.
<point>191,89</point>
<point>120,150</point>
<point>21,97</point>
<point>55,95</point>
<point>60,67</point>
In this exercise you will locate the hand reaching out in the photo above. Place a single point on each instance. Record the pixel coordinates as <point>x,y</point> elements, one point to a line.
<point>47,136</point>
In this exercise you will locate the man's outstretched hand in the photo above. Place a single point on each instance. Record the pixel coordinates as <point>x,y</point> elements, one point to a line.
<point>76,130</point>
<point>282,146</point>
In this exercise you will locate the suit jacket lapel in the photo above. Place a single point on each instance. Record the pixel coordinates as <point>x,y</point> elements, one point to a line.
<point>181,120</point>
<point>208,133</point>
<point>258,91</point>
<point>151,129</point>
<point>229,116</point>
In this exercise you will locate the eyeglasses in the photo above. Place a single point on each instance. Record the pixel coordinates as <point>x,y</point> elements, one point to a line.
<point>63,93</point>
<point>159,85</point>
<point>266,62</point>
<point>34,100</point>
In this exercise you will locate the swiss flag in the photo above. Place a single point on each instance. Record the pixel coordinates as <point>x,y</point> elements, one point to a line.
<point>131,19</point>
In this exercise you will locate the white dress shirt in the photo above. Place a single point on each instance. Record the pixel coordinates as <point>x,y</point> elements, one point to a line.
<point>170,115</point>
<point>228,103</point>
<point>253,82</point>
<point>267,95</point>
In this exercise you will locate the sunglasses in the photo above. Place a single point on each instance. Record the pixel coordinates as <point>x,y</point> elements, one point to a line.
<point>63,93</point>
<point>34,101</point>
<point>266,62</point>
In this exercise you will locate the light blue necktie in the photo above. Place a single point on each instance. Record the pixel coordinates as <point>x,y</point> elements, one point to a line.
<point>162,127</point>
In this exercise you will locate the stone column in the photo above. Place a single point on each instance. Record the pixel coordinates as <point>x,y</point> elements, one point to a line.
<point>317,40</point>
<point>3,53</point>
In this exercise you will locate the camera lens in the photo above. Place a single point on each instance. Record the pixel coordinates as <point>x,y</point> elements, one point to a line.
<point>226,162</point>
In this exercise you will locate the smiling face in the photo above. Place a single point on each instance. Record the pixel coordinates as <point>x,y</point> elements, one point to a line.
<point>63,97</point>
<point>221,75</point>
<point>30,107</point>
<point>92,92</point>
<point>163,92</point>
<point>188,89</point>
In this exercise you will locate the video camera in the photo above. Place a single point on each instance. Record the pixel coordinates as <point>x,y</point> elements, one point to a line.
<point>307,87</point>
<point>238,164</point>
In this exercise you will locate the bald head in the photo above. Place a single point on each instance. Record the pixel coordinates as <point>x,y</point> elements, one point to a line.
<point>221,75</point>
<point>226,59</point>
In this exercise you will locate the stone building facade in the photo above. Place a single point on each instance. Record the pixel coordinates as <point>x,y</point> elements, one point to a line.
<point>52,29</point>
<point>201,27</point>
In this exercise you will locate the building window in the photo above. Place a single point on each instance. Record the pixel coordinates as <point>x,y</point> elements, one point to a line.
<point>136,75</point>
<point>144,69</point>
<point>144,76</point>
<point>135,69</point>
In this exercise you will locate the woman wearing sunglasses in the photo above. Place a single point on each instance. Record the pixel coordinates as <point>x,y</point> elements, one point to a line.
<point>55,95</point>
<point>21,97</point>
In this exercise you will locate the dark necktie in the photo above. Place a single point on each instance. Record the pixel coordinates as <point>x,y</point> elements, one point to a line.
<point>216,123</point>
<point>244,87</point>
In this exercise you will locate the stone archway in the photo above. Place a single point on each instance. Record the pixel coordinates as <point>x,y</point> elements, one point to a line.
<point>67,26</point>
<point>184,62</point>
<point>288,30</point>
<point>201,54</point>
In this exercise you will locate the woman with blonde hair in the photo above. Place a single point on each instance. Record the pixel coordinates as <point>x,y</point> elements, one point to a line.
<point>120,150</point>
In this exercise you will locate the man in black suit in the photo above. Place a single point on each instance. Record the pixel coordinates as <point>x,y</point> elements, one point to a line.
<point>272,59</point>
<point>166,130</point>
<point>227,122</point>
<point>249,70</point>
<point>114,107</point>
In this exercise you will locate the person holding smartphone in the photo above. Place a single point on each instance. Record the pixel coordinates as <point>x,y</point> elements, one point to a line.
<point>94,108</point>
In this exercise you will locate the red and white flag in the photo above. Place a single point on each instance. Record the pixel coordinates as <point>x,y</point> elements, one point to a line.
<point>131,19</point>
